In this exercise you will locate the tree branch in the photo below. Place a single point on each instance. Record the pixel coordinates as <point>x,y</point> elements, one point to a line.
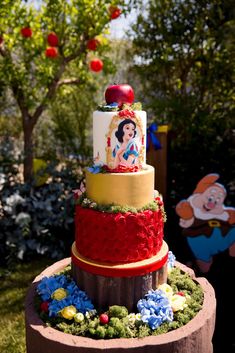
<point>50,92</point>
<point>2,51</point>
<point>80,50</point>
<point>17,89</point>
<point>19,96</point>
<point>56,81</point>
<point>69,81</point>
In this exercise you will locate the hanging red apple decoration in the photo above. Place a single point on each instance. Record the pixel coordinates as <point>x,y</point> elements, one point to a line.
<point>96,65</point>
<point>92,44</point>
<point>114,12</point>
<point>51,52</point>
<point>26,32</point>
<point>52,39</point>
<point>120,94</point>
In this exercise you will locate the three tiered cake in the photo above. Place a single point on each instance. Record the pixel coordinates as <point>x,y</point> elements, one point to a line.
<point>119,252</point>
<point>118,257</point>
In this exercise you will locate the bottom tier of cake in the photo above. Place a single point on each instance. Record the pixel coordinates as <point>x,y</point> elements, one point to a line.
<point>120,284</point>
<point>195,336</point>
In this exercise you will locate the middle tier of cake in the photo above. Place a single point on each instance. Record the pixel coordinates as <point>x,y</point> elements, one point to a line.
<point>119,237</point>
<point>123,189</point>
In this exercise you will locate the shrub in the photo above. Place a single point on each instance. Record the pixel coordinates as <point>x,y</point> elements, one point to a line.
<point>38,221</point>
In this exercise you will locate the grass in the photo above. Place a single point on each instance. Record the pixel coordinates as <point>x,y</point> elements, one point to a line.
<point>14,286</point>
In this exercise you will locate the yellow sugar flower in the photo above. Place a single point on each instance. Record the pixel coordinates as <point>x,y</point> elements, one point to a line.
<point>178,302</point>
<point>69,312</point>
<point>166,288</point>
<point>59,294</point>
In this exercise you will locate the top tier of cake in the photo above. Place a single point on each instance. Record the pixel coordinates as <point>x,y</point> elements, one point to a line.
<point>119,139</point>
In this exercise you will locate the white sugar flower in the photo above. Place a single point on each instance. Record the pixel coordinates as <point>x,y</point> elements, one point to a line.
<point>178,302</point>
<point>79,317</point>
<point>86,201</point>
<point>131,318</point>
<point>90,313</point>
<point>93,204</point>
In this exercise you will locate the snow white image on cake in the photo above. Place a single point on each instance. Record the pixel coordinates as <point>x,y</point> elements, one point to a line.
<point>126,151</point>
<point>125,146</point>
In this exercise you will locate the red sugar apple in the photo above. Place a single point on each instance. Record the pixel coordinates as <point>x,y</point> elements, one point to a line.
<point>120,94</point>
<point>104,319</point>
<point>44,307</point>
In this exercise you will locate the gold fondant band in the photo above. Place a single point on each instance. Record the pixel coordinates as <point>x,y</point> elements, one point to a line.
<point>121,270</point>
<point>124,189</point>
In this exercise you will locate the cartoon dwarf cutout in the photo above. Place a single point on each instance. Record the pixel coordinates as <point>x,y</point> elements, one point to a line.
<point>208,225</point>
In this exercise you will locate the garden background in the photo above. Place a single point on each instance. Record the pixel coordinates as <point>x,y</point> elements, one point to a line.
<point>179,58</point>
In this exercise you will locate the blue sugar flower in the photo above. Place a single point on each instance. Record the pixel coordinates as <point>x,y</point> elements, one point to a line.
<point>155,308</point>
<point>145,314</point>
<point>72,287</point>
<point>81,301</point>
<point>111,105</point>
<point>55,306</point>
<point>157,297</point>
<point>48,285</point>
<point>154,321</point>
<point>95,169</point>
<point>167,313</point>
<point>83,305</point>
<point>75,297</point>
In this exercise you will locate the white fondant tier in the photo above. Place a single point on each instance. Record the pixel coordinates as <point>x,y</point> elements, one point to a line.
<point>129,148</point>
<point>124,189</point>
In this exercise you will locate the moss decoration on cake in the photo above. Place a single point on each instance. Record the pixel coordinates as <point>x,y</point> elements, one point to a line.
<point>120,323</point>
<point>113,107</point>
<point>155,205</point>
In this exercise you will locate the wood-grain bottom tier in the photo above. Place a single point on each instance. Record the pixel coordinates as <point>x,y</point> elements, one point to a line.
<point>120,284</point>
<point>196,336</point>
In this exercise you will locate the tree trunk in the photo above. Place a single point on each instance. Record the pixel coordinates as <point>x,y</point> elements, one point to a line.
<point>28,149</point>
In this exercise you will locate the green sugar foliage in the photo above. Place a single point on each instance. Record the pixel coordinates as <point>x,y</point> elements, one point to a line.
<point>118,311</point>
<point>120,325</point>
<point>85,202</point>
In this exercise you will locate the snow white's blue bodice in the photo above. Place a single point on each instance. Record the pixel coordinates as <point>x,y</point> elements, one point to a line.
<point>131,149</point>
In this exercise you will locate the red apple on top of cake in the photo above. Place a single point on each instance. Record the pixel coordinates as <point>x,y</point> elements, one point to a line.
<point>120,94</point>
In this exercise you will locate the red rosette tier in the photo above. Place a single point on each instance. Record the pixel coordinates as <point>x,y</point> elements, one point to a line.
<point>118,237</point>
